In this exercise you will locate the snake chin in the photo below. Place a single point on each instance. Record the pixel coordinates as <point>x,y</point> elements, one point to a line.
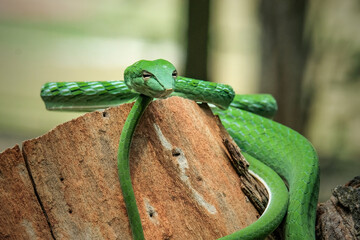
<point>166,93</point>
<point>157,94</point>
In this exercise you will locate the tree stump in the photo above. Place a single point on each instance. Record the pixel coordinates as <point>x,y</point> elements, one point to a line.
<point>64,184</point>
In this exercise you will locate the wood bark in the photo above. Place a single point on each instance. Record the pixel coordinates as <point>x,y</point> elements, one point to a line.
<point>64,184</point>
<point>339,217</point>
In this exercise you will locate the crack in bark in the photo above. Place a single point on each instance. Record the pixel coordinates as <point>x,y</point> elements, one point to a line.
<point>36,192</point>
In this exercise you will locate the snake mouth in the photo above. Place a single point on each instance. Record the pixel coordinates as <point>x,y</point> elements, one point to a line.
<point>165,93</point>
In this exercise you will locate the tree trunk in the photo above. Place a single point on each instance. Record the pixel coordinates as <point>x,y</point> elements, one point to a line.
<point>284,56</point>
<point>197,39</point>
<point>64,184</point>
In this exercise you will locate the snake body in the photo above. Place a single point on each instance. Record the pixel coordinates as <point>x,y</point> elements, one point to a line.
<point>268,146</point>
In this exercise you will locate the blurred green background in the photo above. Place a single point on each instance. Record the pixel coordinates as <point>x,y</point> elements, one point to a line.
<point>306,54</point>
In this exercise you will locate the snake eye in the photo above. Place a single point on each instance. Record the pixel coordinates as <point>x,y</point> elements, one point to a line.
<point>146,75</point>
<point>174,74</point>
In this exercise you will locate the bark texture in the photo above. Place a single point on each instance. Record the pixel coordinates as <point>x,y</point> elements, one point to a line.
<point>339,217</point>
<point>185,185</point>
<point>21,216</point>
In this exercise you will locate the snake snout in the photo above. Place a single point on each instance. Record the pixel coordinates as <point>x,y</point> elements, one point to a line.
<point>166,92</point>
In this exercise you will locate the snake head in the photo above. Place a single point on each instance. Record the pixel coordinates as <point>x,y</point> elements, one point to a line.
<point>151,78</point>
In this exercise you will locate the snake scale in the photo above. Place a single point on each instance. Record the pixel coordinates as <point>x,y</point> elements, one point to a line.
<point>274,151</point>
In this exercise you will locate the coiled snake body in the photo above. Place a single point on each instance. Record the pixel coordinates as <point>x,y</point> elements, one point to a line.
<point>268,146</point>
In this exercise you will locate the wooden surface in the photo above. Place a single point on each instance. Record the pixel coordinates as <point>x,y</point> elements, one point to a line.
<point>21,216</point>
<point>184,181</point>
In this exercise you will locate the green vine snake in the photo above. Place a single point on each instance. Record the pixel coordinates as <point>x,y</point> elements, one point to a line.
<point>268,146</point>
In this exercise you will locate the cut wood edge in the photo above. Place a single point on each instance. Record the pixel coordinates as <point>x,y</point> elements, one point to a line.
<point>80,193</point>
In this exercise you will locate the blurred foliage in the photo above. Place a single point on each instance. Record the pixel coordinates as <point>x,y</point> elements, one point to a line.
<point>88,40</point>
<point>75,41</point>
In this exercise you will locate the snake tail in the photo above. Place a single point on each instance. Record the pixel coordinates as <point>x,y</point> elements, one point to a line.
<point>124,167</point>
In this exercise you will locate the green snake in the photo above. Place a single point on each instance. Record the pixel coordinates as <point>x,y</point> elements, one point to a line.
<point>271,149</point>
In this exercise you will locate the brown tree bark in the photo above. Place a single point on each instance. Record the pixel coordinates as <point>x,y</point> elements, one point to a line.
<point>64,184</point>
<point>339,217</point>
